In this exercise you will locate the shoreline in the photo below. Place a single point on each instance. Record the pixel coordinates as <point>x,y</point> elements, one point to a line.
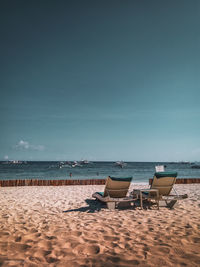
<point>68,182</point>
<point>64,225</point>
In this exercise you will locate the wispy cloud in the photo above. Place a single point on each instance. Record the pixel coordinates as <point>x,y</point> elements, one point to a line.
<point>24,145</point>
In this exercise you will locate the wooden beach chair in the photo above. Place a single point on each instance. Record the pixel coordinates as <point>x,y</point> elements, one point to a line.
<point>115,191</point>
<point>160,190</point>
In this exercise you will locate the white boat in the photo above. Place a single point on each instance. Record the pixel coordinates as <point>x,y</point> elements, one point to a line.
<point>16,161</point>
<point>84,161</point>
<point>76,164</point>
<point>120,164</point>
<point>63,164</point>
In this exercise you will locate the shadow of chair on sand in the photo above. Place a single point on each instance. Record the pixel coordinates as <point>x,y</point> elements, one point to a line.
<point>94,206</point>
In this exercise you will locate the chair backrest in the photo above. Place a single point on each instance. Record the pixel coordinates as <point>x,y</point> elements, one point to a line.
<point>117,187</point>
<point>164,181</point>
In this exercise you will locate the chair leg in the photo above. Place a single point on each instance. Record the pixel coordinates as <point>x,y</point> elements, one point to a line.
<point>111,205</point>
<point>141,202</point>
<point>158,204</point>
<point>157,195</point>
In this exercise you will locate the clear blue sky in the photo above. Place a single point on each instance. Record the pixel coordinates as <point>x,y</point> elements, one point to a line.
<point>100,80</point>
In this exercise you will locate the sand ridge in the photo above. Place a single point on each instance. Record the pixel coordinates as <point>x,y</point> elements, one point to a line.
<point>64,226</point>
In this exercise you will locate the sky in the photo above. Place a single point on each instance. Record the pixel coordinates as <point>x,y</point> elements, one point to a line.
<point>100,80</point>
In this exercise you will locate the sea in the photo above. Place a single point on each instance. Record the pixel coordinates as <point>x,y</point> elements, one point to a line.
<point>55,170</point>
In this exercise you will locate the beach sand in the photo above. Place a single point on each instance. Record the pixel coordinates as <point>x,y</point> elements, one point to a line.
<point>64,226</point>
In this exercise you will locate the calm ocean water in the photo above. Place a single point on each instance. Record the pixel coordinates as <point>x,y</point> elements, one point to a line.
<point>141,171</point>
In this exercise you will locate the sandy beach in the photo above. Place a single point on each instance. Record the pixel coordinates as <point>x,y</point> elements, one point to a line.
<point>64,226</point>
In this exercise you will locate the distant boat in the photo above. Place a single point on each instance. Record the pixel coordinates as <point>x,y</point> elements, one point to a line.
<point>84,161</point>
<point>120,164</point>
<point>76,164</point>
<point>16,161</point>
<point>70,164</point>
<point>66,164</point>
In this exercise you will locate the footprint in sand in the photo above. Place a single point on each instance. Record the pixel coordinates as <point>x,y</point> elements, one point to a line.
<point>51,259</point>
<point>19,247</point>
<point>162,262</point>
<point>50,237</point>
<point>45,244</point>
<point>196,240</point>
<point>42,253</point>
<point>76,233</point>
<point>4,234</point>
<point>111,238</point>
<point>165,250</point>
<point>179,251</point>
<point>87,250</point>
<point>35,259</point>
<point>18,239</point>
<point>33,230</point>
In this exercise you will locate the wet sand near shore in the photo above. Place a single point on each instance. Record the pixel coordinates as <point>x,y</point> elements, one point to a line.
<point>64,226</point>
